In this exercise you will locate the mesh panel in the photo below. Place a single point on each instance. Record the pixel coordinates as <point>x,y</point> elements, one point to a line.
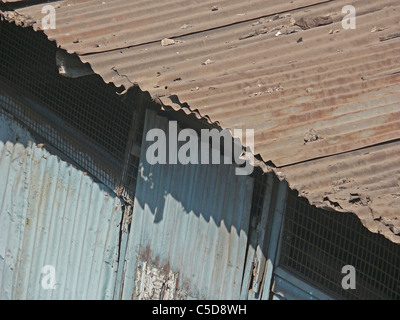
<point>28,61</point>
<point>260,185</point>
<point>316,244</point>
<point>86,105</point>
<point>133,167</point>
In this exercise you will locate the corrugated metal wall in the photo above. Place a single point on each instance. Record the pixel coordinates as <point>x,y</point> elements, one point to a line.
<point>53,214</point>
<point>188,238</point>
<point>189,230</point>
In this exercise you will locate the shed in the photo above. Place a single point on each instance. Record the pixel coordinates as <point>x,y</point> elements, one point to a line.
<point>323,101</point>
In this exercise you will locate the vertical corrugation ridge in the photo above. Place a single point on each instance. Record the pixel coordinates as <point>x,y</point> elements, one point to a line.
<point>202,226</point>
<point>25,223</point>
<point>5,168</point>
<point>87,253</point>
<point>68,228</point>
<point>189,216</point>
<point>218,273</point>
<point>62,226</point>
<point>67,289</point>
<point>52,220</point>
<point>238,263</point>
<point>233,249</point>
<point>52,176</point>
<point>52,216</point>
<point>92,271</point>
<point>83,207</point>
<point>221,290</point>
<point>111,240</point>
<point>211,243</point>
<point>182,224</point>
<point>28,256</point>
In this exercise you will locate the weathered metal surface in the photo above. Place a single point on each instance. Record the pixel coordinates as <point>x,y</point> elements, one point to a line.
<point>309,94</point>
<point>89,26</point>
<point>281,88</point>
<point>53,214</point>
<point>278,87</point>
<point>189,228</point>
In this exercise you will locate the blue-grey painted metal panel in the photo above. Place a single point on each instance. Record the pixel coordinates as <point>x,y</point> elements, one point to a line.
<point>189,229</point>
<point>53,214</point>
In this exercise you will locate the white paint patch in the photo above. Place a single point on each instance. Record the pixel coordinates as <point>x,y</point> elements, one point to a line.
<point>152,283</point>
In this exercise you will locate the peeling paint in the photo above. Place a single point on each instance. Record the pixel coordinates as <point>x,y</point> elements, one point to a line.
<point>153,283</point>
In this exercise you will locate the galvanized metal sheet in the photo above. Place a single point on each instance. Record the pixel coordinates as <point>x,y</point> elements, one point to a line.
<point>52,214</point>
<point>189,229</point>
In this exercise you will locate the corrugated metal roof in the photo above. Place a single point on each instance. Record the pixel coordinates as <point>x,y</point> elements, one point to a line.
<point>106,25</point>
<point>308,94</point>
<point>43,202</point>
<point>197,234</point>
<point>319,81</point>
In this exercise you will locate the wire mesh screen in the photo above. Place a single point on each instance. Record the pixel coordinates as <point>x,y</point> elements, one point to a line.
<point>316,244</point>
<point>133,167</point>
<point>86,105</point>
<point>260,185</point>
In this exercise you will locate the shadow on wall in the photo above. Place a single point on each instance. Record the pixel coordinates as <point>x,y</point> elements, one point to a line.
<point>212,191</point>
<point>189,229</point>
<point>190,225</point>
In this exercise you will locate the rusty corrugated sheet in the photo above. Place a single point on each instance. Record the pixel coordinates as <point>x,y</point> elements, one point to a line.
<point>281,88</point>
<point>308,94</point>
<point>52,214</point>
<point>106,25</point>
<point>187,240</point>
